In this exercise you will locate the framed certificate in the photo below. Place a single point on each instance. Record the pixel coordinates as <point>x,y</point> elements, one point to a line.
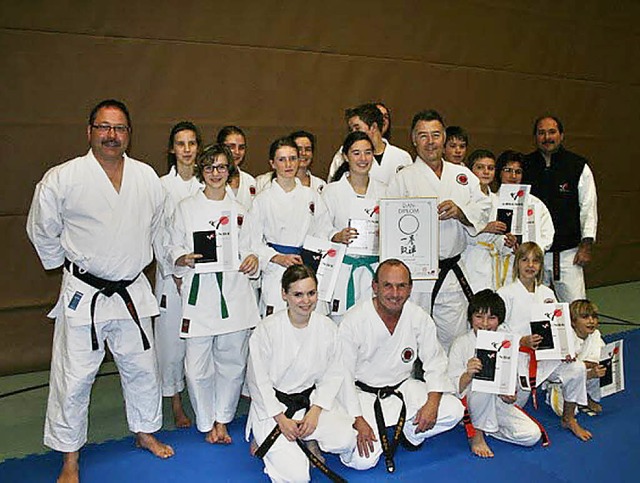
<point>409,232</point>
<point>218,244</point>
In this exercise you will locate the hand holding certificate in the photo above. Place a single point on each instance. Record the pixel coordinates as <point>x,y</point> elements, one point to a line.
<point>325,258</point>
<point>218,245</point>
<point>498,353</point>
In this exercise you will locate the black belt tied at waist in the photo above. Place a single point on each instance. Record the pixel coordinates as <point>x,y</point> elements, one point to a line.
<point>294,403</point>
<point>388,448</point>
<point>107,288</point>
<point>446,266</point>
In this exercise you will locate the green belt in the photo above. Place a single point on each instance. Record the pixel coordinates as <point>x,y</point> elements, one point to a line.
<point>357,262</point>
<point>195,286</point>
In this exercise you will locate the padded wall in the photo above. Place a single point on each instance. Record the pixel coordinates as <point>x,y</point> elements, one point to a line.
<point>272,66</point>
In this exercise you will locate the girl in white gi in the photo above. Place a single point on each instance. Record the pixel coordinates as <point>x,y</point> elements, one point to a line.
<point>353,195</point>
<point>510,168</point>
<point>219,308</point>
<point>281,217</point>
<point>295,353</point>
<point>482,260</point>
<point>495,415</point>
<point>242,183</point>
<point>519,297</point>
<point>178,184</point>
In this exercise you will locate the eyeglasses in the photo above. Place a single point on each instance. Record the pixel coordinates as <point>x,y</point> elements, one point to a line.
<point>220,168</point>
<point>105,128</point>
<point>512,170</point>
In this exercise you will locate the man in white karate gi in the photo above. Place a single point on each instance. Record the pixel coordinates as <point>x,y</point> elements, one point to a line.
<point>381,339</point>
<point>98,215</point>
<point>462,208</point>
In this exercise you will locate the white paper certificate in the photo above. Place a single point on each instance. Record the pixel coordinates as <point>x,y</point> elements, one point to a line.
<point>553,323</point>
<point>512,202</point>
<point>363,216</point>
<point>409,232</point>
<point>498,352</point>
<point>325,258</point>
<point>217,242</point>
<point>533,225</point>
<point>612,358</point>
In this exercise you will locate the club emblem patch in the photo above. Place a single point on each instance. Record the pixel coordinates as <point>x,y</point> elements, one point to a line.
<point>240,220</point>
<point>252,190</point>
<point>312,207</point>
<point>407,354</point>
<point>462,179</point>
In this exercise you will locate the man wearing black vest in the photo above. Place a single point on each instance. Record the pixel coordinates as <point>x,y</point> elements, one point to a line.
<point>565,183</point>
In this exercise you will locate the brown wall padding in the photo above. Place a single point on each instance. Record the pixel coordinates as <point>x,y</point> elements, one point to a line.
<point>271,66</point>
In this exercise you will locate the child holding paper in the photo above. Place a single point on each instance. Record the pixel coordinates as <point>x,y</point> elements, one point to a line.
<point>492,414</point>
<point>519,298</point>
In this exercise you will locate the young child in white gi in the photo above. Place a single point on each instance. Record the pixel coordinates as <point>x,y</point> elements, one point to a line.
<point>219,308</point>
<point>295,355</point>
<point>179,183</point>
<point>492,414</point>
<point>353,195</point>
<point>519,297</point>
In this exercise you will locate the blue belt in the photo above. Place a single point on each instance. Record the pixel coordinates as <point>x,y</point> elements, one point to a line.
<point>286,249</point>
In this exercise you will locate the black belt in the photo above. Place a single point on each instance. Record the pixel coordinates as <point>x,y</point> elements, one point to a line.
<point>384,392</point>
<point>446,266</point>
<point>294,403</point>
<point>107,288</point>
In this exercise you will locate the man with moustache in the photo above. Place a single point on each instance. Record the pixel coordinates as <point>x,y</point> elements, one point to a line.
<point>97,215</point>
<point>565,183</point>
<point>461,208</point>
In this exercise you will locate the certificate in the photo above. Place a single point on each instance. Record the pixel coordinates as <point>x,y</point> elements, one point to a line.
<point>363,216</point>
<point>409,232</point>
<point>612,359</point>
<point>498,352</point>
<point>217,242</point>
<point>512,203</point>
<point>532,233</point>
<point>553,323</point>
<point>325,258</point>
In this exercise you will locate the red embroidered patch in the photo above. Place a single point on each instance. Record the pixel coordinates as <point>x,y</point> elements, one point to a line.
<point>407,354</point>
<point>462,179</point>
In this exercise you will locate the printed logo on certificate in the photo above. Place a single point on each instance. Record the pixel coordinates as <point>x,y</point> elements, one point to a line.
<point>512,203</point>
<point>409,232</point>
<point>325,258</point>
<point>553,323</point>
<point>498,354</point>
<point>363,216</point>
<point>612,358</point>
<point>217,242</point>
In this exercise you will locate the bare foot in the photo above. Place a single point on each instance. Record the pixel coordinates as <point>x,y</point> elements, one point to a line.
<point>479,446</point>
<point>223,434</point>
<point>572,425</point>
<point>212,436</point>
<point>179,417</point>
<point>315,450</point>
<point>150,443</point>
<point>253,447</point>
<point>70,472</point>
<point>594,406</point>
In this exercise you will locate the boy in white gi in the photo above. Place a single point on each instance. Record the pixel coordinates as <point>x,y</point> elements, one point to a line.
<point>495,415</point>
<point>98,215</point>
<point>381,338</point>
<point>219,307</point>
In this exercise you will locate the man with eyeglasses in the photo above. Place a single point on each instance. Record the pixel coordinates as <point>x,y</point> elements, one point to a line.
<point>97,215</point>
<point>565,183</point>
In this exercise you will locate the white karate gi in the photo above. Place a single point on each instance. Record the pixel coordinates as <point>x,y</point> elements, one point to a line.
<point>247,190</point>
<point>488,412</point>
<point>339,197</point>
<point>393,160</point>
<point>216,347</point>
<point>377,358</point>
<point>170,348</point>
<point>589,350</point>
<point>292,360</point>
<point>264,180</point>
<point>284,219</point>
<point>458,184</point>
<point>518,301</point>
<point>77,214</point>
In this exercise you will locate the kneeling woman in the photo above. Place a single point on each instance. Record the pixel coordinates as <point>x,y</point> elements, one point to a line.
<point>219,307</point>
<point>295,373</point>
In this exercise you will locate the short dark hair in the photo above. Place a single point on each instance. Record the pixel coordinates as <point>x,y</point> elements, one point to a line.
<point>392,262</point>
<point>349,141</point>
<point>110,103</point>
<point>208,156</point>
<point>548,116</point>
<point>304,134</point>
<point>369,114</point>
<point>226,131</point>
<point>508,156</point>
<point>427,115</point>
<point>486,301</point>
<point>456,132</point>
<point>295,273</point>
<point>479,154</point>
<point>279,143</point>
<point>386,135</point>
<point>181,126</point>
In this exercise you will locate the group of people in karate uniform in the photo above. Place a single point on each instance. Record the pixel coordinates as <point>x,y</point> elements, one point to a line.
<point>296,351</point>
